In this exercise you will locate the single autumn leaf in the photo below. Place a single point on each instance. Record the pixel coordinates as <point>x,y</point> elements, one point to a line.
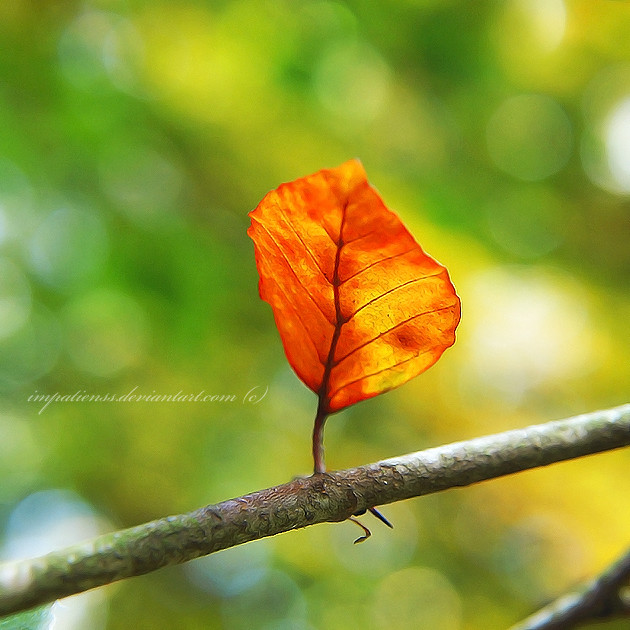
<point>360,307</point>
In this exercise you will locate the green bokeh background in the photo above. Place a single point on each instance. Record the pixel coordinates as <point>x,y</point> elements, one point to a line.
<point>134,139</point>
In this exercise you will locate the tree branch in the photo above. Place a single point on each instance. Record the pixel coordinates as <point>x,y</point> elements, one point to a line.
<point>599,599</point>
<point>320,498</point>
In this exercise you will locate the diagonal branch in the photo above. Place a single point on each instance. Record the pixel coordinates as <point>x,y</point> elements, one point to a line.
<point>602,598</point>
<point>320,498</point>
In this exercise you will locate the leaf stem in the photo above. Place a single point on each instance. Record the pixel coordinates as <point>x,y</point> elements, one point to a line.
<point>318,439</point>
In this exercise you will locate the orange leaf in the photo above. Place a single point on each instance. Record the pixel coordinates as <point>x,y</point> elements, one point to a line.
<point>360,307</point>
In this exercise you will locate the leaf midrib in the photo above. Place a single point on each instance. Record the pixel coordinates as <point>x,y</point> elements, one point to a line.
<point>324,399</point>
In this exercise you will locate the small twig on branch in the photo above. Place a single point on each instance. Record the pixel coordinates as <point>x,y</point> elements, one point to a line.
<point>602,598</point>
<point>323,497</point>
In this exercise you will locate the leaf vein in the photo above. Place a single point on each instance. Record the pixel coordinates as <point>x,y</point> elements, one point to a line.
<point>304,244</point>
<point>299,317</point>
<point>324,398</point>
<point>377,262</point>
<point>406,321</point>
<point>299,280</point>
<point>390,367</point>
<point>358,238</point>
<point>400,286</point>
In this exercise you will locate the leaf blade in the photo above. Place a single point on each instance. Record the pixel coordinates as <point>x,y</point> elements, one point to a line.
<point>360,307</point>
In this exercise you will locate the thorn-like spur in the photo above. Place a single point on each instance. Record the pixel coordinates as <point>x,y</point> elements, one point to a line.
<point>367,532</point>
<point>380,517</point>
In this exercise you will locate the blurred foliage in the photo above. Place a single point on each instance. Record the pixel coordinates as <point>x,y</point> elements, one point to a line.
<point>134,138</point>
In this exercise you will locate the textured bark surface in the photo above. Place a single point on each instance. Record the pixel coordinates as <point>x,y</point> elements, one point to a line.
<point>322,497</point>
